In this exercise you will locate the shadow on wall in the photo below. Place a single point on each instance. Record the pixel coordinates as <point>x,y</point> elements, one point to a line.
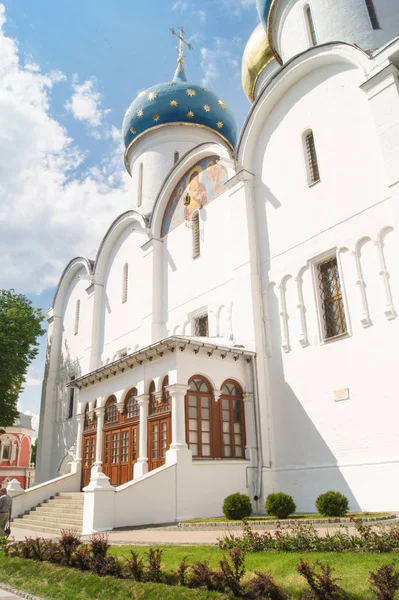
<point>305,465</point>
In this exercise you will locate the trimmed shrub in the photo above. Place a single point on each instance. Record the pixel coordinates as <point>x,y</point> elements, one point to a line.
<point>332,504</point>
<point>237,506</point>
<point>280,505</point>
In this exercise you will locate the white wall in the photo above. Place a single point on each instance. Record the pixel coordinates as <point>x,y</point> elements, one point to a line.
<point>334,20</point>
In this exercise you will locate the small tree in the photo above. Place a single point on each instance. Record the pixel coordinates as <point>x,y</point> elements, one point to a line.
<point>34,453</point>
<point>20,327</point>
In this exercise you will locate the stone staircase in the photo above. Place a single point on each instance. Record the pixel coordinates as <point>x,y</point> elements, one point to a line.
<point>64,511</point>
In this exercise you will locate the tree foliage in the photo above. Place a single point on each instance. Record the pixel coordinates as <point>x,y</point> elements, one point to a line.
<point>20,328</point>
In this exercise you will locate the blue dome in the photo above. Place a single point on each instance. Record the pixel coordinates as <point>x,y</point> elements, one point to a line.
<point>178,102</point>
<point>263,7</point>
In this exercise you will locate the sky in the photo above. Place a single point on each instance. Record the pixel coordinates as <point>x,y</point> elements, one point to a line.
<point>68,72</point>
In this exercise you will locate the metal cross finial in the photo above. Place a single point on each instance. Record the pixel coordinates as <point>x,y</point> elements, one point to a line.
<point>182,41</point>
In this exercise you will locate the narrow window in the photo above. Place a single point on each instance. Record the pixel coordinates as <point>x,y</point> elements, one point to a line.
<point>201,326</point>
<point>77,314</point>
<point>232,413</point>
<point>125,282</point>
<point>332,304</point>
<point>310,25</point>
<point>195,224</point>
<point>372,14</point>
<point>71,400</point>
<point>140,188</point>
<point>111,411</point>
<point>176,157</point>
<point>312,164</point>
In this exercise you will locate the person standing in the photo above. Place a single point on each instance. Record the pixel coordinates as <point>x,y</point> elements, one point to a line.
<point>5,510</point>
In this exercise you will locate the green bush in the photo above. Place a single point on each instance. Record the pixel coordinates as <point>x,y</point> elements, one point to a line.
<point>280,505</point>
<point>332,504</point>
<point>237,506</point>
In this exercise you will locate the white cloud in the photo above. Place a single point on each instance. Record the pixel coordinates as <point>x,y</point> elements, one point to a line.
<point>49,210</point>
<point>86,103</point>
<point>237,6</point>
<point>220,58</point>
<point>186,6</point>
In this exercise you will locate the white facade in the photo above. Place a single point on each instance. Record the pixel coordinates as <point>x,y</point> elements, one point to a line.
<point>320,409</point>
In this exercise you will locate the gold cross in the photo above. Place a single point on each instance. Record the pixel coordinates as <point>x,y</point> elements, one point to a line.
<point>182,41</point>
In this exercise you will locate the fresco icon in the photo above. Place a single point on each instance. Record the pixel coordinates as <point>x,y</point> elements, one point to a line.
<point>196,189</point>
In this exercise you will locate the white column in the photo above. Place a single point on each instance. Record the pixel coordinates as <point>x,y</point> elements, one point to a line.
<point>78,451</point>
<point>97,326</point>
<point>100,412</point>
<point>141,466</point>
<point>250,445</point>
<point>177,392</point>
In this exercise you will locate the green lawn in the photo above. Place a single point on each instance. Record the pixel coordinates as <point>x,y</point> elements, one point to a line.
<point>291,517</point>
<point>59,583</point>
<point>352,567</point>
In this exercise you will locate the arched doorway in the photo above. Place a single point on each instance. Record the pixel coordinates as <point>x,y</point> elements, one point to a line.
<point>159,426</point>
<point>215,429</point>
<point>121,439</point>
<point>89,444</point>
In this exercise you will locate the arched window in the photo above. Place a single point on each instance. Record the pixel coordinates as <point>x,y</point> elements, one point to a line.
<point>312,165</point>
<point>86,422</point>
<point>71,399</point>
<point>310,25</point>
<point>77,315</point>
<point>199,418</point>
<point>152,406</point>
<point>195,224</point>
<point>232,413</point>
<point>176,157</point>
<point>372,14</point>
<point>140,185</point>
<point>111,411</point>
<point>132,409</point>
<point>165,394</point>
<point>125,282</point>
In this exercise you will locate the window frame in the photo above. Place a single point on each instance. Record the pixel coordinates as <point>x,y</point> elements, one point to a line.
<point>309,159</point>
<point>71,399</point>
<point>314,263</point>
<point>231,398</point>
<point>310,25</point>
<point>107,423</point>
<point>77,317</point>
<point>196,234</point>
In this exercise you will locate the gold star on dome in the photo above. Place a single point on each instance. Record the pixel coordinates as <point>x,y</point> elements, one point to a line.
<point>133,131</point>
<point>152,95</point>
<point>219,124</point>
<point>173,103</point>
<point>190,92</point>
<point>156,117</point>
<point>222,104</point>
<point>207,108</point>
<point>140,112</point>
<point>190,114</point>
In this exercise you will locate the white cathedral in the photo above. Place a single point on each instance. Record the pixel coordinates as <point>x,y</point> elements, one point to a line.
<point>238,329</point>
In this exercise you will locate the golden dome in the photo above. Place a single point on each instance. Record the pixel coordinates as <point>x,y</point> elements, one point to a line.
<point>257,55</point>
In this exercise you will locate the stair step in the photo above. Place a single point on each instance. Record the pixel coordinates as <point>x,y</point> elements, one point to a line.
<point>62,505</point>
<point>32,526</point>
<point>53,519</point>
<point>64,511</point>
<point>57,511</point>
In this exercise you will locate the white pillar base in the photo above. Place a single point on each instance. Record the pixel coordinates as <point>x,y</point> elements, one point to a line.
<point>140,468</point>
<point>178,453</point>
<point>98,481</point>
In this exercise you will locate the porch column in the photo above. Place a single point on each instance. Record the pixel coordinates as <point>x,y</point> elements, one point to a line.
<point>177,392</point>
<point>77,461</point>
<point>100,412</point>
<point>98,479</point>
<point>250,445</point>
<point>141,466</point>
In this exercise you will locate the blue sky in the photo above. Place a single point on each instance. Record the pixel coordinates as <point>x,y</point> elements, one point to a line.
<point>68,72</point>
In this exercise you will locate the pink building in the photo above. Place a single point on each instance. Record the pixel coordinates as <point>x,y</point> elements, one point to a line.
<point>15,453</point>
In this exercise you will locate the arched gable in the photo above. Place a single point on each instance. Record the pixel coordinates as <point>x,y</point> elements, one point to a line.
<point>292,72</point>
<point>70,271</point>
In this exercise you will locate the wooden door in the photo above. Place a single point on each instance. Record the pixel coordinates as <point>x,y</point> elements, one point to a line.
<point>89,456</point>
<point>120,453</point>
<point>159,437</point>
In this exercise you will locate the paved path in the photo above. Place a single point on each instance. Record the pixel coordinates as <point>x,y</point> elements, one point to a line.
<point>7,593</point>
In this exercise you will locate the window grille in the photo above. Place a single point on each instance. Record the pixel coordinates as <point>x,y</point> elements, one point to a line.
<point>176,157</point>
<point>77,315</point>
<point>71,400</point>
<point>310,25</point>
<point>195,225</point>
<point>111,411</point>
<point>372,14</point>
<point>132,409</point>
<point>125,282</point>
<point>140,188</point>
<point>201,326</point>
<point>331,298</point>
<point>311,159</point>
<point>134,444</point>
